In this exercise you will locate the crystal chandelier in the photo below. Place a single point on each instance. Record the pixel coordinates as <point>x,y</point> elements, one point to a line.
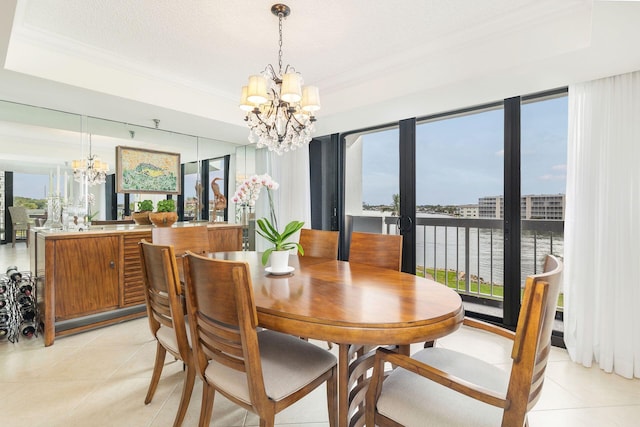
<point>92,168</point>
<point>279,110</point>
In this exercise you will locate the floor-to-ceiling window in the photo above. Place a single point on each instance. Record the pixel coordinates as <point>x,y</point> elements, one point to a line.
<point>371,185</point>
<point>473,168</point>
<point>30,191</point>
<point>543,180</point>
<point>218,177</point>
<point>459,196</point>
<point>192,194</point>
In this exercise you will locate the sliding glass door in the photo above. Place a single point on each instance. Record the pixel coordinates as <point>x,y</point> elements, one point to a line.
<point>459,201</point>
<point>372,189</point>
<point>478,195</point>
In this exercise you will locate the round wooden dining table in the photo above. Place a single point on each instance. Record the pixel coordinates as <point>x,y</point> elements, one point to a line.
<point>348,303</point>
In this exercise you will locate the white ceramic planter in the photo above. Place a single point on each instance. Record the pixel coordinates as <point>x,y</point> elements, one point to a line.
<point>279,261</point>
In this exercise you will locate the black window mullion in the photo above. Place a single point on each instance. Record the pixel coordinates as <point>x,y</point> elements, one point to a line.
<point>407,184</point>
<point>512,224</point>
<point>204,197</point>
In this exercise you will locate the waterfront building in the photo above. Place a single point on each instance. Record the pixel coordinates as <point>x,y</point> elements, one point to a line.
<point>532,206</point>
<point>467,211</point>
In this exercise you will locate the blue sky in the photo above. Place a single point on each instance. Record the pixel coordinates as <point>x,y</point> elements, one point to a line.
<point>461,159</point>
<point>32,186</point>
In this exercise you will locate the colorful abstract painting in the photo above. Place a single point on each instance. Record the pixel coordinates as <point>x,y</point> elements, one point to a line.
<point>147,171</point>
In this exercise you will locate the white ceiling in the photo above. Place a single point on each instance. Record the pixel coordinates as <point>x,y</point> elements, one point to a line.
<point>184,61</point>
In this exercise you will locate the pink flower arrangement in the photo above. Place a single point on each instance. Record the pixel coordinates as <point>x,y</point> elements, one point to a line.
<point>248,192</point>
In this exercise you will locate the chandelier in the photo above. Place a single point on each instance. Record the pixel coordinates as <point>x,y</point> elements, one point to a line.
<point>279,110</point>
<point>92,168</point>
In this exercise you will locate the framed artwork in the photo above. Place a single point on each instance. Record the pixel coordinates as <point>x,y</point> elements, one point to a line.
<point>147,171</point>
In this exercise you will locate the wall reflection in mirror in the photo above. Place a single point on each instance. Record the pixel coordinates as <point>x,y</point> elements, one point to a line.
<point>38,146</point>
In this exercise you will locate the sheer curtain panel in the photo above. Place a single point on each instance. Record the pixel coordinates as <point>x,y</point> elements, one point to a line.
<point>602,235</point>
<point>292,200</point>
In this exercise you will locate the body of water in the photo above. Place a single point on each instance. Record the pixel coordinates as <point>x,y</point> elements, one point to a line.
<point>444,248</point>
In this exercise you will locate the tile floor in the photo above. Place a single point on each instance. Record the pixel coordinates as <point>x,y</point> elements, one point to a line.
<point>100,378</point>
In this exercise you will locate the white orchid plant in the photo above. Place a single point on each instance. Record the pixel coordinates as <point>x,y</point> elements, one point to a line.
<point>247,195</point>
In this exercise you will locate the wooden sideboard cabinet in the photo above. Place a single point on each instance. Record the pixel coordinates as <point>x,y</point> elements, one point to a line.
<point>94,278</point>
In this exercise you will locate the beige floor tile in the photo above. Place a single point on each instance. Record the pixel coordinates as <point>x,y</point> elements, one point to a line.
<point>594,386</point>
<point>51,402</point>
<point>612,416</point>
<point>225,413</point>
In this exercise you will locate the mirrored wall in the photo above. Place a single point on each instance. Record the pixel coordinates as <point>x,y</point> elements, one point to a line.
<point>38,147</point>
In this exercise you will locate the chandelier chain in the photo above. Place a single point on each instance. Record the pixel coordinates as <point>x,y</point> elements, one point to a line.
<point>280,44</point>
<point>279,109</point>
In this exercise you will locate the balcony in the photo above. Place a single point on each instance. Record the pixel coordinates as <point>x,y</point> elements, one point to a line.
<point>467,254</point>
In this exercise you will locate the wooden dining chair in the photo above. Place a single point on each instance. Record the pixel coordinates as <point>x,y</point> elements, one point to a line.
<point>319,243</point>
<point>442,387</point>
<point>263,372</point>
<point>379,250</point>
<point>183,239</point>
<point>166,318</point>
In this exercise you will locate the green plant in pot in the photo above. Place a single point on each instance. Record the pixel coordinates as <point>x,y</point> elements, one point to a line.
<point>165,214</point>
<point>145,206</point>
<point>281,245</point>
<point>141,216</point>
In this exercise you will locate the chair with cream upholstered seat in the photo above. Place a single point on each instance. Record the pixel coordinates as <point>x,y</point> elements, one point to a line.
<point>437,386</point>
<point>165,311</point>
<point>263,372</point>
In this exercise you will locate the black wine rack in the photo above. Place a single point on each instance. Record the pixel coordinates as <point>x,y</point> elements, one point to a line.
<point>19,317</point>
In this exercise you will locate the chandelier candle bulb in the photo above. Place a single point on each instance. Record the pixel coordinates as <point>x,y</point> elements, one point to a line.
<point>257,89</point>
<point>310,98</point>
<point>245,105</point>
<point>290,90</point>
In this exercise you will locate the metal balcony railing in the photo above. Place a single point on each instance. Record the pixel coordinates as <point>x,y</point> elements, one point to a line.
<point>467,254</point>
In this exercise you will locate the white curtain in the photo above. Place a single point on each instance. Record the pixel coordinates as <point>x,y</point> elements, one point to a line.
<point>293,199</point>
<point>602,234</point>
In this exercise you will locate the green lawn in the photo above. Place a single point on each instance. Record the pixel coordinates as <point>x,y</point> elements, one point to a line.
<point>450,278</point>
